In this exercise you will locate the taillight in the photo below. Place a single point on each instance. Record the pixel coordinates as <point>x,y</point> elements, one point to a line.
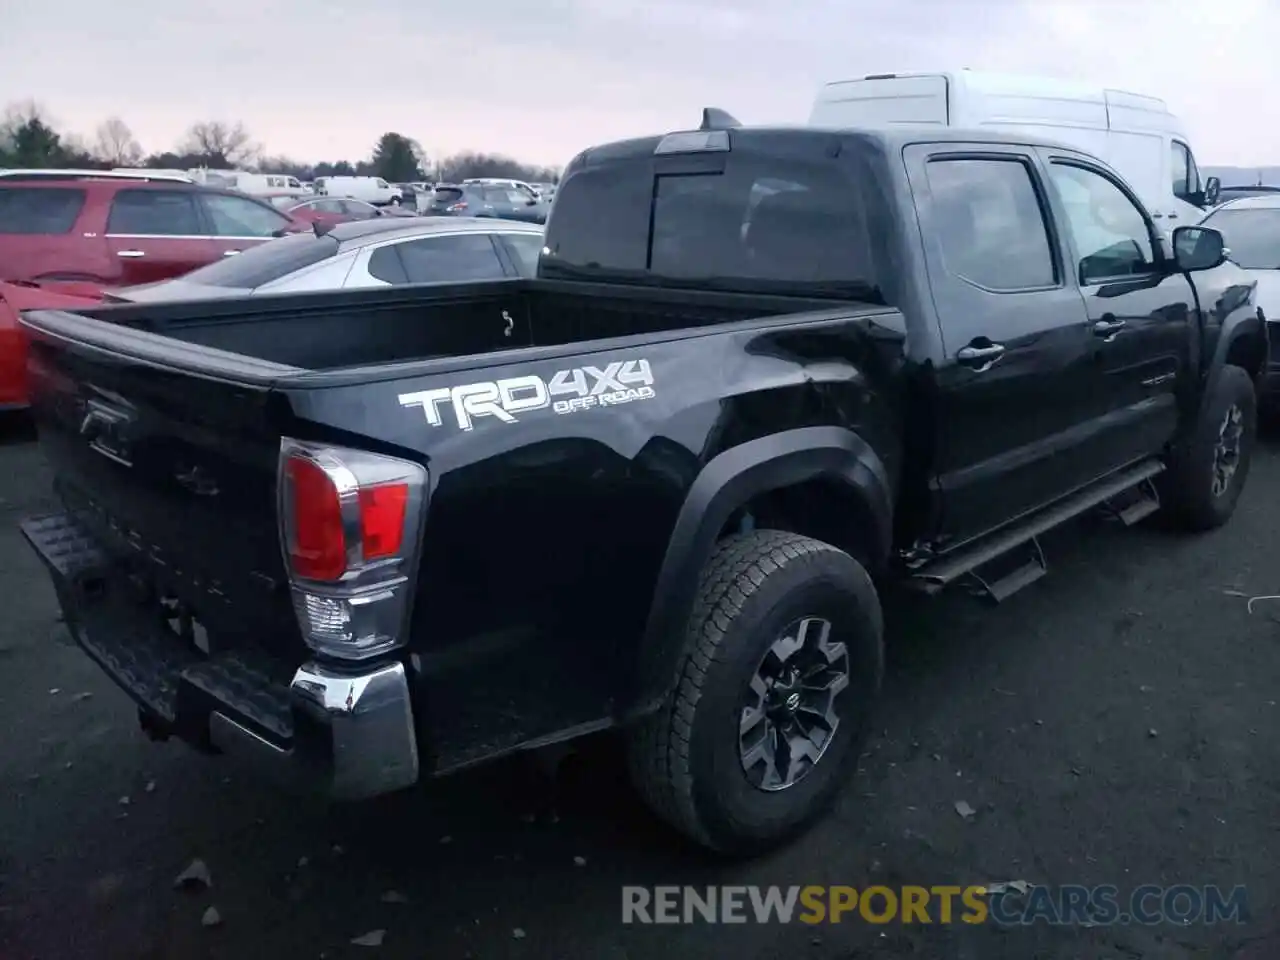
<point>316,545</point>
<point>454,208</point>
<point>350,526</point>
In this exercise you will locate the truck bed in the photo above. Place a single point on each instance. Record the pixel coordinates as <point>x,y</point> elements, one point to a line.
<point>330,330</point>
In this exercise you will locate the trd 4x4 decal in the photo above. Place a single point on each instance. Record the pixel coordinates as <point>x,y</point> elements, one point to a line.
<point>569,391</point>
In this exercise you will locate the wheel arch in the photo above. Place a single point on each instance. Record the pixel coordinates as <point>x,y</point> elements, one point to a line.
<point>793,476</point>
<point>1244,343</point>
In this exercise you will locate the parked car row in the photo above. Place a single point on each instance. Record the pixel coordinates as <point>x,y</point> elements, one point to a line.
<point>72,237</point>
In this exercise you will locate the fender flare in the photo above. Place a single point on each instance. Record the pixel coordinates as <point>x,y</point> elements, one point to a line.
<point>725,483</point>
<point>1241,324</point>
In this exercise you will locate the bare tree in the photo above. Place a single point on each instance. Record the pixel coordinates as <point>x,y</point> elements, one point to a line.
<point>220,144</point>
<point>114,143</point>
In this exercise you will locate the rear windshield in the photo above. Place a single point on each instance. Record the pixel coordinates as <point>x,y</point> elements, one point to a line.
<point>448,195</point>
<point>39,210</point>
<point>768,220</point>
<point>266,262</point>
<point>1252,236</point>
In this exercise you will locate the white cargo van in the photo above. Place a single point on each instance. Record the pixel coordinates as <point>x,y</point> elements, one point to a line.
<point>1136,134</point>
<point>257,184</point>
<point>373,190</point>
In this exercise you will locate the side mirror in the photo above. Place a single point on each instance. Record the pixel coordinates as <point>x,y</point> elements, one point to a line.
<point>1212,187</point>
<point>531,202</point>
<point>1198,248</point>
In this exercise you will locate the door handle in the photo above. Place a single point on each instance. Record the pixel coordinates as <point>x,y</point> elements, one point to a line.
<point>130,254</point>
<point>980,358</point>
<point>1107,329</point>
<point>230,253</point>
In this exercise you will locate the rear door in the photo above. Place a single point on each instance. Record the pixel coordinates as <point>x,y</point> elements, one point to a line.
<point>1013,406</point>
<point>156,234</point>
<point>235,223</point>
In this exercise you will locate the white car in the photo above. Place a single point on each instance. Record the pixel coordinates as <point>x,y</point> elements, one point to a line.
<point>1251,228</point>
<point>360,254</point>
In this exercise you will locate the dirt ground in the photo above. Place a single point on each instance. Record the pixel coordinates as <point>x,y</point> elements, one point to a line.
<point>1115,723</point>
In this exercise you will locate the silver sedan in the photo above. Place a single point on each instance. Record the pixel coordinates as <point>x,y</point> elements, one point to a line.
<point>361,254</point>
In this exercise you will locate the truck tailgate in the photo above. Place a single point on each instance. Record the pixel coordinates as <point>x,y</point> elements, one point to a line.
<point>167,456</point>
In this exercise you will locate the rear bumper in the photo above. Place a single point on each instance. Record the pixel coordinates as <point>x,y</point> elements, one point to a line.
<point>348,734</point>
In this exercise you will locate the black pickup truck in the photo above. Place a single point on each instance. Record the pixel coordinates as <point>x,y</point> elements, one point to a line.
<point>366,538</point>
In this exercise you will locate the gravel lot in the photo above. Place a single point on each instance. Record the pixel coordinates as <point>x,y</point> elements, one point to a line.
<point>1116,723</point>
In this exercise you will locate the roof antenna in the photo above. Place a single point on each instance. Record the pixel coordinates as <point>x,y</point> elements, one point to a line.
<point>713,118</point>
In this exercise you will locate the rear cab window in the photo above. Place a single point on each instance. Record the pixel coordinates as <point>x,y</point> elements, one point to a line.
<point>773,214</point>
<point>36,210</point>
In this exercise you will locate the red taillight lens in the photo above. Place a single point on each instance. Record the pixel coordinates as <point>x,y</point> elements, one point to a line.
<point>350,527</point>
<point>382,519</point>
<point>457,206</point>
<point>317,546</point>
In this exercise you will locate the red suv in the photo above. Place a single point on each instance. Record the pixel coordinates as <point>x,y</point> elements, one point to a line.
<point>123,229</point>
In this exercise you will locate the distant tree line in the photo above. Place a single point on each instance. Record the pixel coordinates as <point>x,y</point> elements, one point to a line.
<point>29,139</point>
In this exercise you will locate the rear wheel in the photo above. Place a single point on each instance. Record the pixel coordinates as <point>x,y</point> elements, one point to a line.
<point>1206,475</point>
<point>783,658</point>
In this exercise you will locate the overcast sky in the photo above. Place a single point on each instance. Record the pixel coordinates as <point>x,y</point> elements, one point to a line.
<point>540,79</point>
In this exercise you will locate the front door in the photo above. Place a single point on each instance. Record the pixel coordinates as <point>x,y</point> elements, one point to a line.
<point>1141,313</point>
<point>1011,409</point>
<point>237,223</point>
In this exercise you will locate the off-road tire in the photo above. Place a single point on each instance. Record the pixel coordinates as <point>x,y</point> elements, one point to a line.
<point>1186,486</point>
<point>684,758</point>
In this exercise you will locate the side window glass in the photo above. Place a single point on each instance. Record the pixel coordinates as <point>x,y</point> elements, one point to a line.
<point>385,265</point>
<point>238,217</point>
<point>1110,231</point>
<point>1194,185</point>
<point>48,210</point>
<point>990,224</point>
<point>525,249</point>
<point>154,213</point>
<point>1181,170</point>
<point>451,259</point>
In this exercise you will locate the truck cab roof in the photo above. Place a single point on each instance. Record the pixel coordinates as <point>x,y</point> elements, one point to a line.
<point>884,139</point>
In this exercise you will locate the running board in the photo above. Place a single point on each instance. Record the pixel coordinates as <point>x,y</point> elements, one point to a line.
<point>943,572</point>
